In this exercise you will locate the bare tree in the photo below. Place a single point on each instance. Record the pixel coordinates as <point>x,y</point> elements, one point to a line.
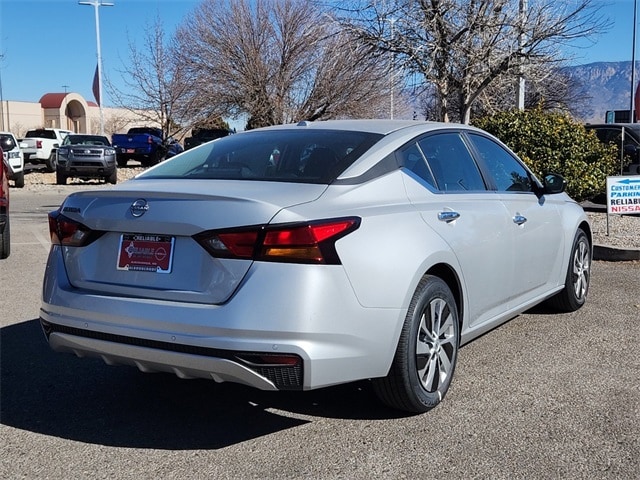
<point>279,61</point>
<point>553,90</point>
<point>156,86</point>
<point>114,123</point>
<point>462,47</point>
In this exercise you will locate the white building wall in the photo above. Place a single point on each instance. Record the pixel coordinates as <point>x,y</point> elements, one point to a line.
<point>81,117</point>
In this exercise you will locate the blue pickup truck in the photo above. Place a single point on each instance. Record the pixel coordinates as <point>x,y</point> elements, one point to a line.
<point>144,144</point>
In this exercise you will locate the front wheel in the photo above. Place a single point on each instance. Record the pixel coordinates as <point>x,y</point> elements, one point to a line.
<point>113,177</point>
<point>5,240</point>
<point>19,179</point>
<point>427,351</point>
<point>576,285</point>
<point>61,178</point>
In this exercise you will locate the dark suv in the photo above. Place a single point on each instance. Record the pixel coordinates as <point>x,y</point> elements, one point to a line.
<point>627,137</point>
<point>86,156</point>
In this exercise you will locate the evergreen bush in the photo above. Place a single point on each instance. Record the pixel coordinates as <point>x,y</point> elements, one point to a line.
<point>555,143</point>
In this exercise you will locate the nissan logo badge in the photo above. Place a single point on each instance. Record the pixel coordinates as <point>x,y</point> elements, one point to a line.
<point>139,207</point>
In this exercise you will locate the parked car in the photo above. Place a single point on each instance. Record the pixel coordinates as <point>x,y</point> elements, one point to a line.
<point>39,146</point>
<point>5,227</point>
<point>86,156</point>
<point>364,250</point>
<point>627,137</point>
<point>14,158</point>
<point>143,144</point>
<point>204,135</point>
<point>173,148</point>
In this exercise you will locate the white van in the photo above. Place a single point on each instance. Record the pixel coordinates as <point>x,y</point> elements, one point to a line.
<point>13,157</point>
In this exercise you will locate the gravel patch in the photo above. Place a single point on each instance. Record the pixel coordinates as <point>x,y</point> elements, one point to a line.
<point>623,230</point>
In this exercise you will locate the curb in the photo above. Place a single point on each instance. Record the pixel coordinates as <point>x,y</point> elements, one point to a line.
<point>605,252</point>
<point>613,254</point>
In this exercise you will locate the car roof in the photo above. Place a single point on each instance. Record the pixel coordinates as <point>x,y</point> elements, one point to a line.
<point>88,135</point>
<point>633,126</point>
<point>379,126</point>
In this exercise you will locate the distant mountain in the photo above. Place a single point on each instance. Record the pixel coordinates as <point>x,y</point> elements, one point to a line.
<point>606,84</point>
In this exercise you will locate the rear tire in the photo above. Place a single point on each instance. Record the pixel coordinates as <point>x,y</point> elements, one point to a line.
<point>5,240</point>
<point>427,351</point>
<point>51,162</point>
<point>154,159</point>
<point>576,285</point>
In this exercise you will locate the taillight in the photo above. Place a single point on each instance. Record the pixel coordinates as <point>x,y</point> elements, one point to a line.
<point>312,242</point>
<point>69,233</point>
<point>38,143</point>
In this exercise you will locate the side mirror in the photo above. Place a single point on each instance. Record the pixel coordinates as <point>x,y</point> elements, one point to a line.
<point>554,183</point>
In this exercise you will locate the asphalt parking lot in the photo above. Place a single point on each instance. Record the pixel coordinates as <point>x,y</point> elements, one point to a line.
<point>544,396</point>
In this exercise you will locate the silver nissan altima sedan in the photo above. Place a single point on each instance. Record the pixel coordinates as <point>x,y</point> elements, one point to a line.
<point>301,256</point>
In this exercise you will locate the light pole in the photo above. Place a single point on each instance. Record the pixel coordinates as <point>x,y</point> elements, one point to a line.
<point>96,4</point>
<point>522,14</point>
<point>66,119</point>
<point>392,72</point>
<point>632,114</point>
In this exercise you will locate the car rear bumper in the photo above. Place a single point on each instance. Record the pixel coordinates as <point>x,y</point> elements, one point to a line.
<point>337,339</point>
<point>216,365</point>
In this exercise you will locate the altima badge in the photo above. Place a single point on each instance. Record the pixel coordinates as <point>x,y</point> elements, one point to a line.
<point>139,207</point>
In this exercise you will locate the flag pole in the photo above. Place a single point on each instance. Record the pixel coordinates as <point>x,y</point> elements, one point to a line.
<point>96,4</point>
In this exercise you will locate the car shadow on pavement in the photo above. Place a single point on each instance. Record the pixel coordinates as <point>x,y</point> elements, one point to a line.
<point>85,400</point>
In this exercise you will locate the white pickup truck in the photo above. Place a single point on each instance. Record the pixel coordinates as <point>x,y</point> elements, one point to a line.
<point>40,145</point>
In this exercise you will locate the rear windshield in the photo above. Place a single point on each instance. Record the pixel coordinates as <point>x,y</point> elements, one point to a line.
<point>305,156</point>
<point>41,134</point>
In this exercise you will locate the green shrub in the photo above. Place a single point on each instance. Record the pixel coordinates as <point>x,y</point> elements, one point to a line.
<point>555,143</point>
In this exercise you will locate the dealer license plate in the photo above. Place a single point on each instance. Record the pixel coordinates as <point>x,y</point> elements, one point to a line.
<point>142,252</point>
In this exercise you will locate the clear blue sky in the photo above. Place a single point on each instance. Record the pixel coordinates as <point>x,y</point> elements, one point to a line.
<point>46,44</point>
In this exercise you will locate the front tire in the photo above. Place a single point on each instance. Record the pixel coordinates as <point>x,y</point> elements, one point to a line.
<point>427,351</point>
<point>19,179</point>
<point>576,285</point>
<point>61,178</point>
<point>113,177</point>
<point>5,240</point>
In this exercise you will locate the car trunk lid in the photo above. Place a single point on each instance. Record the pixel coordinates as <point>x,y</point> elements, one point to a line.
<point>146,247</point>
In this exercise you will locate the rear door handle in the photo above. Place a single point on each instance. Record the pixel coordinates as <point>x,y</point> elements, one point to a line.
<point>448,216</point>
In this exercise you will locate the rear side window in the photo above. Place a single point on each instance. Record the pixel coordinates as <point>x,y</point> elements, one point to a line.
<point>453,167</point>
<point>304,156</point>
<point>507,173</point>
<point>412,159</point>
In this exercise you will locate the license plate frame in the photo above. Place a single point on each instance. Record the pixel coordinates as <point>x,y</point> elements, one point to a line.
<point>144,252</point>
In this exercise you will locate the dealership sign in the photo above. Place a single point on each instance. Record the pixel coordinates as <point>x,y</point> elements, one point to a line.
<point>623,194</point>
